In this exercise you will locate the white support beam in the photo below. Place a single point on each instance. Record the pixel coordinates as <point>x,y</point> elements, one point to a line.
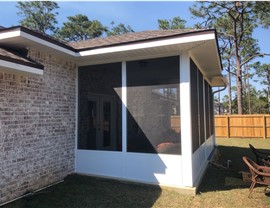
<point>185,109</point>
<point>124,104</point>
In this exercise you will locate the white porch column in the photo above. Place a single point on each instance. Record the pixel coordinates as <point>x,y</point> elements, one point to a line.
<point>124,104</point>
<point>185,110</point>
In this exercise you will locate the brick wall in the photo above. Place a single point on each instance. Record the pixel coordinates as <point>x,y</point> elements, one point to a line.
<point>37,126</point>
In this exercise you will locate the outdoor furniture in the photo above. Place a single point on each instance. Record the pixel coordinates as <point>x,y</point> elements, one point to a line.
<point>262,158</point>
<point>259,174</point>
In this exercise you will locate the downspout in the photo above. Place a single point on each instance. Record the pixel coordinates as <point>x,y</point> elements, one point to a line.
<point>222,89</point>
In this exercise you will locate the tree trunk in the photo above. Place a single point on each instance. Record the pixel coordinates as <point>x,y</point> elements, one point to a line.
<point>219,110</point>
<point>239,87</point>
<point>236,45</point>
<point>239,84</point>
<point>268,87</point>
<point>229,88</point>
<point>248,91</point>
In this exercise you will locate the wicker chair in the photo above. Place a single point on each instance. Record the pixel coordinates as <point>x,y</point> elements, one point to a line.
<point>259,174</point>
<point>262,158</point>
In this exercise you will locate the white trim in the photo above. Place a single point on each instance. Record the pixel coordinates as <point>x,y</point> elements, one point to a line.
<point>204,109</point>
<point>48,44</point>
<point>11,66</point>
<point>151,44</point>
<point>159,169</point>
<point>132,46</point>
<point>186,130</point>
<point>131,58</point>
<point>11,34</point>
<point>124,104</point>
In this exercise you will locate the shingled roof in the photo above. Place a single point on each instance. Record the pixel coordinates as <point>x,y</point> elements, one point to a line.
<point>110,40</point>
<point>15,57</point>
<point>129,38</point>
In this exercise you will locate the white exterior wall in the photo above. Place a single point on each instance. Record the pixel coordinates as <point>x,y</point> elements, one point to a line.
<point>159,169</point>
<point>141,167</point>
<point>186,131</point>
<point>200,159</point>
<point>171,170</point>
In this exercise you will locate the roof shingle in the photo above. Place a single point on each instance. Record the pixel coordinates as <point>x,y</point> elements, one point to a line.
<point>128,38</point>
<point>12,56</point>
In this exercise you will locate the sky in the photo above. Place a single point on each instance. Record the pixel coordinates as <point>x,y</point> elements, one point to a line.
<point>138,14</point>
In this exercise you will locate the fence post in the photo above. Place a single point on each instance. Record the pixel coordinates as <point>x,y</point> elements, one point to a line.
<point>264,127</point>
<point>228,126</point>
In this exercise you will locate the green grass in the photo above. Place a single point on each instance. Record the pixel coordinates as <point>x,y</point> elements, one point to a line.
<point>219,188</point>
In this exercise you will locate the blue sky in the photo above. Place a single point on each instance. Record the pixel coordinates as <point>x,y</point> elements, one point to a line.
<point>139,15</point>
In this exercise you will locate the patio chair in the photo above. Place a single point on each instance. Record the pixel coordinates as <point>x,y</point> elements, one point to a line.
<point>262,158</point>
<point>259,174</point>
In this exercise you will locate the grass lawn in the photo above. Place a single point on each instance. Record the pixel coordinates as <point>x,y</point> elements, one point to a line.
<point>219,188</point>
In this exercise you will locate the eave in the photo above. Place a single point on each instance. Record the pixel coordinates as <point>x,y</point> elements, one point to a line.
<point>10,66</point>
<point>201,45</point>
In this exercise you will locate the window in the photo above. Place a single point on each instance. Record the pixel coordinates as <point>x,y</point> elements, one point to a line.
<point>100,107</point>
<point>153,106</point>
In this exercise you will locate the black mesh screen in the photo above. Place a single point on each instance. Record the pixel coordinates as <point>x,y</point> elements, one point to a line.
<point>153,106</point>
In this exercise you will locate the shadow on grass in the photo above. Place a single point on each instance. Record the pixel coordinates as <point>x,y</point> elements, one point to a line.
<point>84,191</point>
<point>217,179</point>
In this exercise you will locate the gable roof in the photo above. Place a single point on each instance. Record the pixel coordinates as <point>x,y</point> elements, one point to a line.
<point>129,38</point>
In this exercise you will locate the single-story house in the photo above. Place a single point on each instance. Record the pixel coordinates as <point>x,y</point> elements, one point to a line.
<point>136,107</point>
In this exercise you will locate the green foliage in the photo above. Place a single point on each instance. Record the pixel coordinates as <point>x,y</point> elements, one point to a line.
<point>254,102</point>
<point>235,22</point>
<point>119,29</point>
<point>79,27</point>
<point>175,23</point>
<point>261,9</point>
<point>38,15</point>
<point>263,71</point>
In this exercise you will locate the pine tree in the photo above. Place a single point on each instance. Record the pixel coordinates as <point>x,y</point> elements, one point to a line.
<point>38,15</point>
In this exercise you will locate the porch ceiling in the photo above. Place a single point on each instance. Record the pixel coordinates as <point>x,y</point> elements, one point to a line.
<point>134,54</point>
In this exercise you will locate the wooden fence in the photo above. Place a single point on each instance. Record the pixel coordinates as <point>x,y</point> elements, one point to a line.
<point>242,126</point>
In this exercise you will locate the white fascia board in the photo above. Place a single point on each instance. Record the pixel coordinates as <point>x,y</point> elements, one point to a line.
<point>10,34</point>
<point>19,33</point>
<point>47,44</point>
<point>20,68</point>
<point>156,43</point>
